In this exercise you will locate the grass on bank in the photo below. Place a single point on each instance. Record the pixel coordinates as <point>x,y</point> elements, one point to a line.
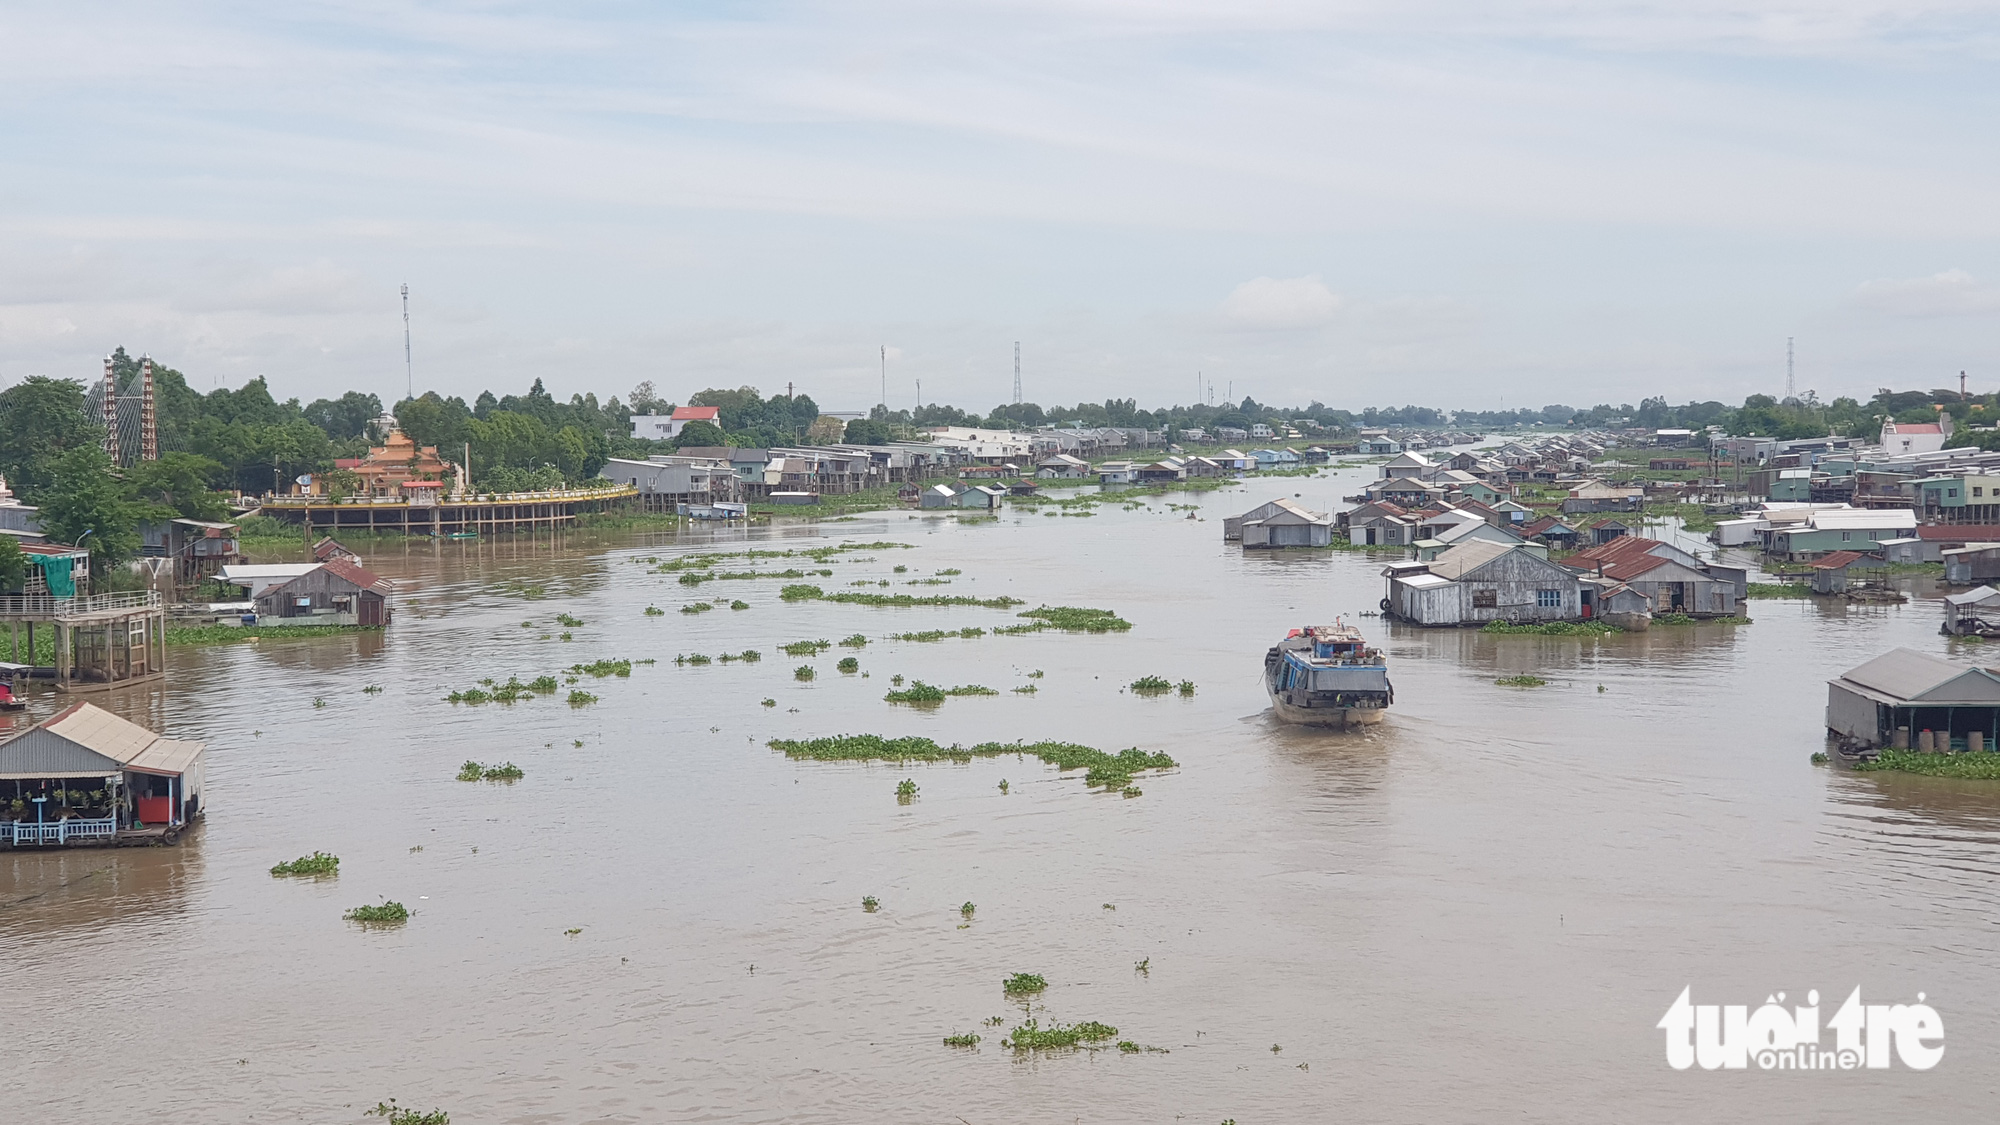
<point>225,634</point>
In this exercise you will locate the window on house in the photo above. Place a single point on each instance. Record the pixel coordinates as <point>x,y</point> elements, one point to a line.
<point>1485,599</point>
<point>1978,491</point>
<point>1951,493</point>
<point>1549,599</point>
<point>1846,535</point>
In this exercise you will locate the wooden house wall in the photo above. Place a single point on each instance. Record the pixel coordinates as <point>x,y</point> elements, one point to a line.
<point>1515,578</point>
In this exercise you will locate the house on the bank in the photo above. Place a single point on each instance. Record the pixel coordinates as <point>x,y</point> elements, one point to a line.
<point>1842,570</point>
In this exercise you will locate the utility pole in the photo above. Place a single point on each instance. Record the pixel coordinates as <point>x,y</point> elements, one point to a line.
<point>885,378</point>
<point>1961,386</point>
<point>1017,373</point>
<point>409,368</point>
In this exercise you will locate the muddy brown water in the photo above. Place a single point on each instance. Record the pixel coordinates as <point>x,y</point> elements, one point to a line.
<point>1476,911</point>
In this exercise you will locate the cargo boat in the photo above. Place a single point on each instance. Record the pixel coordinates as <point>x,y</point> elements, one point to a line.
<point>1326,675</point>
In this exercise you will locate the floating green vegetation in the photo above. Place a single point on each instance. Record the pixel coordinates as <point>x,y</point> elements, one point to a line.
<point>543,684</point>
<point>971,689</point>
<point>1521,681</point>
<point>695,658</point>
<point>929,635</point>
<point>1035,675</point>
<point>1819,758</point>
<point>750,656</point>
<point>1025,689</point>
<point>1552,629</point>
<point>806,648</point>
<point>1777,590</point>
<point>579,698</point>
<point>316,864</point>
<point>1023,983</point>
<point>489,692</point>
<point>1003,787</point>
<point>695,578</point>
<point>655,611</point>
<point>862,582</point>
<point>400,1116</point>
<point>225,634</point>
<point>894,601</point>
<point>854,640</point>
<point>901,569</point>
<point>739,604</point>
<point>1112,771</point>
<point>568,622</point>
<point>697,607</point>
<point>869,904</point>
<point>917,692</point>
<point>769,703</point>
<point>967,1040</point>
<point>318,702</point>
<point>1131,791</point>
<point>1185,687</point>
<point>950,572</point>
<point>906,789</point>
<point>897,679</point>
<point>382,913</point>
<point>849,664</point>
<point>804,672</point>
<point>565,637</point>
<point>372,689</point>
<point>1151,685</point>
<point>816,554</point>
<point>966,910</point>
<point>1982,766</point>
<point>506,771</point>
<point>1076,619</point>
<point>602,668</point>
<point>1031,1037</point>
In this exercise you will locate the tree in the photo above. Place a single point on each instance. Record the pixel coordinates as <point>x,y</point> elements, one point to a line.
<point>14,564</point>
<point>41,419</point>
<point>867,431</point>
<point>179,483</point>
<point>345,417</point>
<point>86,505</point>
<point>697,434</point>
<point>826,428</point>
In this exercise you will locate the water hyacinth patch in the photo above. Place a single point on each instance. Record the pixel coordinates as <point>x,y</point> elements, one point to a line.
<point>602,668</point>
<point>849,664</point>
<point>568,622</point>
<point>906,789</point>
<point>1031,1037</point>
<point>806,648</point>
<point>579,698</point>
<point>473,771</point>
<point>697,607</point>
<point>1521,681</point>
<point>402,1116</point>
<point>804,672</point>
<point>739,604</point>
<point>318,864</point>
<point>854,640</point>
<point>869,904</point>
<point>917,692</point>
<point>1021,984</point>
<point>380,914</point>
<point>967,1040</point>
<point>1151,685</point>
<point>655,611</point>
<point>1112,771</point>
<point>1076,619</point>
<point>802,593</point>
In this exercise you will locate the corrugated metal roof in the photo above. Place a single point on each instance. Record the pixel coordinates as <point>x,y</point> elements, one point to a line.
<point>83,740</point>
<point>1466,556</point>
<point>1839,519</point>
<point>1973,596</point>
<point>168,756</point>
<point>101,731</point>
<point>1905,673</point>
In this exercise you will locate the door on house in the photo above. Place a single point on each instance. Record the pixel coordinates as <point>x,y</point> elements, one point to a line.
<point>1680,596</point>
<point>371,611</point>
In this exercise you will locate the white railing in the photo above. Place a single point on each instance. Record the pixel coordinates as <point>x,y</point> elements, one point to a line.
<point>47,606</point>
<point>62,831</point>
<point>473,497</point>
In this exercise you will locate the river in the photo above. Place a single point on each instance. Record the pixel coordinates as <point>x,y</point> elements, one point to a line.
<point>1476,911</point>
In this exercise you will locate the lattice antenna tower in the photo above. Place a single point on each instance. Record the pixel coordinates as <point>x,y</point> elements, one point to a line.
<point>1791,385</point>
<point>1017,372</point>
<point>409,367</point>
<point>885,377</point>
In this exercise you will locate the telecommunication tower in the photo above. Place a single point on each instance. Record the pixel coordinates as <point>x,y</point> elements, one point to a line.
<point>1791,386</point>
<point>1017,372</point>
<point>110,412</point>
<point>885,377</point>
<point>409,369</point>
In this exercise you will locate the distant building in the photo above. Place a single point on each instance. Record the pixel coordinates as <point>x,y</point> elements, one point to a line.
<point>1915,437</point>
<point>667,427</point>
<point>335,592</point>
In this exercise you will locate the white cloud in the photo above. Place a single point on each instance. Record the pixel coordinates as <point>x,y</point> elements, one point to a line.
<point>1951,293</point>
<point>1282,302</point>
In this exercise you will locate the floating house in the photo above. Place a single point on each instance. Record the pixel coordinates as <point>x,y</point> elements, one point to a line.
<point>335,592</point>
<point>1477,582</point>
<point>1283,523</point>
<point>1062,466</point>
<point>1669,579</point>
<point>1838,572</point>
<point>86,776</point>
<point>1972,613</point>
<point>1906,698</point>
<point>1117,472</point>
<point>1964,566</point>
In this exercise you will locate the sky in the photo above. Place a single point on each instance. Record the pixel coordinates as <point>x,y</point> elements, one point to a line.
<point>1457,204</point>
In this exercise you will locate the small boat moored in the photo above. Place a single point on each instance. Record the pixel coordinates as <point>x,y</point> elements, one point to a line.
<point>1326,675</point>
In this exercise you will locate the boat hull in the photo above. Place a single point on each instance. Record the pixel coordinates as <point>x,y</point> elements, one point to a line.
<point>1335,717</point>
